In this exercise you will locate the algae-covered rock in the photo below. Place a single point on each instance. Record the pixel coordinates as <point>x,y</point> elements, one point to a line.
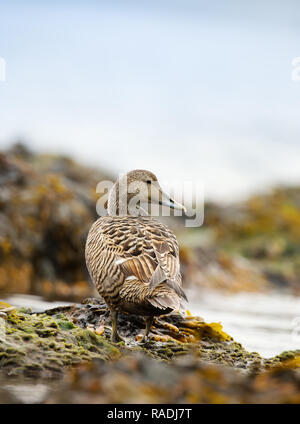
<point>43,345</point>
<point>186,360</point>
<point>265,230</point>
<point>171,335</point>
<point>137,378</point>
<point>47,205</point>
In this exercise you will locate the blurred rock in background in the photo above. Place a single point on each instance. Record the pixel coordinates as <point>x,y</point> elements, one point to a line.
<point>48,202</point>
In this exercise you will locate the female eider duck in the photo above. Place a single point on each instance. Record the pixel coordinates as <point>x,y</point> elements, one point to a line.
<point>133,259</point>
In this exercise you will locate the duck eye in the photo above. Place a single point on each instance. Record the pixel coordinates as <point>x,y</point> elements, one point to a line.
<point>148,181</point>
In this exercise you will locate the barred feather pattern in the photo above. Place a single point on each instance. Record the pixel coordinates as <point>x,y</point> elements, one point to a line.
<point>134,264</point>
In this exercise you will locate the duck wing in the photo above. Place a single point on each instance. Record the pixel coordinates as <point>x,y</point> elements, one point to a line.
<point>151,255</point>
<point>134,251</point>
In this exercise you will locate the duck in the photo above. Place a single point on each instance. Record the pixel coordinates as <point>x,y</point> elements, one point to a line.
<point>132,258</point>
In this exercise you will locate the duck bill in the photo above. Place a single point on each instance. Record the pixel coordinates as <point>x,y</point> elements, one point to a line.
<point>171,203</point>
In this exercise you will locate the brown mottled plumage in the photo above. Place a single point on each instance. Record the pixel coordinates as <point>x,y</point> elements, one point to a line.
<point>134,260</point>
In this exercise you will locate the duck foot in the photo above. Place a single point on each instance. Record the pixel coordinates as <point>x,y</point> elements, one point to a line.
<point>146,338</point>
<point>115,337</point>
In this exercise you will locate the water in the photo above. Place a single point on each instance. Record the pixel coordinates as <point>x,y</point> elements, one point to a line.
<point>264,323</point>
<point>36,303</point>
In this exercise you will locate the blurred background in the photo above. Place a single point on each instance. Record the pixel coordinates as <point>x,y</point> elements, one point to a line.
<point>191,90</point>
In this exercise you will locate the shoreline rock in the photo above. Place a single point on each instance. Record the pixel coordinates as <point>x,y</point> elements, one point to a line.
<point>41,345</point>
<point>186,360</point>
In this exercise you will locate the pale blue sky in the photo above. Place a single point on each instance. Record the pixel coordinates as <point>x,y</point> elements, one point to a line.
<point>192,90</point>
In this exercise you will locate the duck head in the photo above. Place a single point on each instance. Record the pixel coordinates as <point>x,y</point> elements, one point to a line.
<point>133,191</point>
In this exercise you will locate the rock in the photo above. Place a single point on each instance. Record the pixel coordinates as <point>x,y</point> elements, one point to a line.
<point>42,345</point>
<point>186,360</point>
<point>137,378</point>
<point>265,230</point>
<point>211,268</point>
<point>47,205</point>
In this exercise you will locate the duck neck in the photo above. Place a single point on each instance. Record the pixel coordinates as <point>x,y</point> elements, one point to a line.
<point>117,205</point>
<point>119,201</point>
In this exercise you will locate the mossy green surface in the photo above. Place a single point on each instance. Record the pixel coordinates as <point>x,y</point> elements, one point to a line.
<point>43,345</point>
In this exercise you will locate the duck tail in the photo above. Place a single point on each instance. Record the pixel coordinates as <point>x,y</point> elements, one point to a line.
<point>166,301</point>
